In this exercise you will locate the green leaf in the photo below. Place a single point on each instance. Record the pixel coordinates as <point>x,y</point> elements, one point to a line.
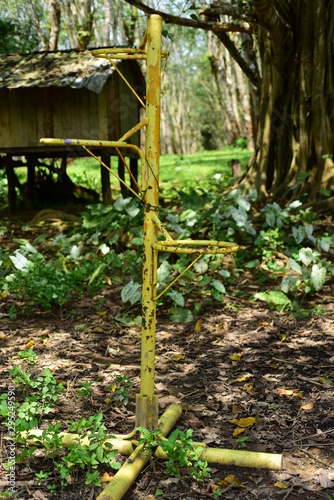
<point>180,315</point>
<point>309,232</point>
<point>75,252</point>
<point>306,256</point>
<point>95,273</point>
<point>252,263</point>
<point>218,285</point>
<point>298,234</point>
<point>163,271</point>
<point>194,17</point>
<point>318,276</point>
<point>104,249</point>
<point>224,273</point>
<point>325,244</point>
<point>289,283</point>
<point>176,297</point>
<point>20,262</point>
<point>201,266</point>
<point>131,292</point>
<point>276,299</point>
<point>295,266</point>
<point>216,295</point>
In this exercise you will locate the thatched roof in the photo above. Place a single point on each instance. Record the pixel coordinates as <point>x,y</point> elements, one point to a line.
<point>67,68</point>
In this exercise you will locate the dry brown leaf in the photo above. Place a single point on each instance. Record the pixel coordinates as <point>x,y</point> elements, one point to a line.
<point>307,406</point>
<point>243,422</point>
<point>284,392</point>
<point>106,477</point>
<point>177,357</point>
<point>237,431</point>
<point>230,479</point>
<point>97,330</point>
<point>236,409</point>
<point>198,326</point>
<point>281,485</point>
<point>324,480</point>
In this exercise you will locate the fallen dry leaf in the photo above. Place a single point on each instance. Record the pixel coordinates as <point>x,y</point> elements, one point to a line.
<point>198,326</point>
<point>106,477</point>
<point>243,422</point>
<point>237,431</point>
<point>177,357</point>
<point>324,480</point>
<point>282,486</point>
<point>230,479</point>
<point>235,357</point>
<point>96,329</point>
<point>263,323</point>
<point>236,409</point>
<point>307,406</point>
<point>284,392</point>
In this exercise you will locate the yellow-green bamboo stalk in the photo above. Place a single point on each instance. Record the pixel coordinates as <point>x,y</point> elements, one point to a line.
<point>239,458</point>
<point>147,401</point>
<point>123,479</point>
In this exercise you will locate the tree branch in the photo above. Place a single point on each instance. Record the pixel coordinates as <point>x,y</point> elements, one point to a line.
<point>219,29</point>
<point>243,27</point>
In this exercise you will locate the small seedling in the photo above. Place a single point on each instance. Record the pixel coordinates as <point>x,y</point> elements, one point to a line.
<point>42,476</point>
<point>242,441</point>
<point>29,357</point>
<point>85,390</point>
<point>148,439</point>
<point>124,385</point>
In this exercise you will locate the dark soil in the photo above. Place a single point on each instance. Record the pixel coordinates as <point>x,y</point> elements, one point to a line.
<point>240,360</point>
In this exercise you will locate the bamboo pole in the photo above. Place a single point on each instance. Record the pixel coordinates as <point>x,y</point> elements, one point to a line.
<point>239,458</point>
<point>123,479</point>
<point>147,401</point>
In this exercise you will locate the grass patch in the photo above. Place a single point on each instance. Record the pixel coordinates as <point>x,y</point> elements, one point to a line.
<point>175,170</point>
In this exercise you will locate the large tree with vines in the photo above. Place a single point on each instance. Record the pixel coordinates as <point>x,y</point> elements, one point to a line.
<point>292,89</point>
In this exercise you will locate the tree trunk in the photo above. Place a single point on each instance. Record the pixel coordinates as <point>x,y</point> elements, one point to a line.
<point>296,131</point>
<point>55,13</point>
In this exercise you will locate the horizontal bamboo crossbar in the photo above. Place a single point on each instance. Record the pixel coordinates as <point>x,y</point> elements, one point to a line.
<point>196,247</point>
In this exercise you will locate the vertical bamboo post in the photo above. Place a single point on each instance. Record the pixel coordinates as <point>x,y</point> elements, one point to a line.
<point>147,401</point>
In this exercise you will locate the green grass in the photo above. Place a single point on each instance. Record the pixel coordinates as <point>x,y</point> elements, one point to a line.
<point>175,170</point>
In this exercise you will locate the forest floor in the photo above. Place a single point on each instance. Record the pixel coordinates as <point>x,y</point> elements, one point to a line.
<point>240,360</point>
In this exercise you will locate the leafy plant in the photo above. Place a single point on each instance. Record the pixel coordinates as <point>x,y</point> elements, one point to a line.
<point>122,392</point>
<point>148,439</point>
<point>181,454</point>
<point>85,390</point>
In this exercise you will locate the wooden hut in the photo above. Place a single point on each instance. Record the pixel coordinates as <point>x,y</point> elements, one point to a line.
<point>63,94</point>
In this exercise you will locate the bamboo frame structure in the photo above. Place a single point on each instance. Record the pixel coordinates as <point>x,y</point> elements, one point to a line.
<point>147,401</point>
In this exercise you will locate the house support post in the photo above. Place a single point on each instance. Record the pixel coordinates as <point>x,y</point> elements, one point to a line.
<point>11,184</point>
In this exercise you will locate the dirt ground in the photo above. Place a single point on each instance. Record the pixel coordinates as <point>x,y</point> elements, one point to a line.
<point>240,360</point>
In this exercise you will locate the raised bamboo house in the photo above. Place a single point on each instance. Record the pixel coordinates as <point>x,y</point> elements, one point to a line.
<point>63,94</point>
